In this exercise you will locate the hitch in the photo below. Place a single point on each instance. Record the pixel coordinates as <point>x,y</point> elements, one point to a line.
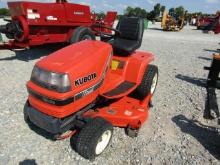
<point>212,84</point>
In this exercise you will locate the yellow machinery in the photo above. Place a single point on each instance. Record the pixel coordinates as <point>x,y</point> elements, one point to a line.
<point>170,23</point>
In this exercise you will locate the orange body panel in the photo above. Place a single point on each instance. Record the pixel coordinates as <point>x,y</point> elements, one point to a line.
<point>77,61</point>
<point>132,71</point>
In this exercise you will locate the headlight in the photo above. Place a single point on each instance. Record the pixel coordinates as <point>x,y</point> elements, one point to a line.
<point>50,80</point>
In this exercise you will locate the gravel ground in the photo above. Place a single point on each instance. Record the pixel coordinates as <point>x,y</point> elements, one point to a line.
<point>176,133</point>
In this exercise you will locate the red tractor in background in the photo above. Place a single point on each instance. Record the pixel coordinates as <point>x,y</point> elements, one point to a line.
<point>210,23</point>
<point>202,22</point>
<point>36,23</point>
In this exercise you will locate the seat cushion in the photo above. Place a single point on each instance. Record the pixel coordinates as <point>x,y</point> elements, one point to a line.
<point>124,46</point>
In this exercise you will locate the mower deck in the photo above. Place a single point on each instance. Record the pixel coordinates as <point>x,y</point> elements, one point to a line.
<point>125,112</point>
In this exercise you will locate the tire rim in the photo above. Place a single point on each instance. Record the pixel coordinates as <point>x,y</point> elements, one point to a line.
<point>154,84</point>
<point>87,37</point>
<point>103,142</point>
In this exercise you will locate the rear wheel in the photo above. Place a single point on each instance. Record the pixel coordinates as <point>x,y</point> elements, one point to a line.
<point>82,33</point>
<point>93,138</point>
<point>148,83</point>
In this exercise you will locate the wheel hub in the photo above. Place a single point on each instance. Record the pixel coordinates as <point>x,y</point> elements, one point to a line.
<point>154,83</point>
<point>87,37</point>
<point>103,142</point>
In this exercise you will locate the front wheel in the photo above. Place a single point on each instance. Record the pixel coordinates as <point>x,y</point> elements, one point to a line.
<point>93,139</point>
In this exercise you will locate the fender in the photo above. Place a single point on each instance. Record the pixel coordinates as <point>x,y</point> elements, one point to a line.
<point>137,66</point>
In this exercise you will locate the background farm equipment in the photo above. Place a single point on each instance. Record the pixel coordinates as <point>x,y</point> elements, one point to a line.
<point>172,22</point>
<point>202,22</point>
<point>209,23</point>
<point>34,23</point>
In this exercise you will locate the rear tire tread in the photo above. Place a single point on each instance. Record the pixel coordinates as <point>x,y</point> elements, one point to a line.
<point>145,87</point>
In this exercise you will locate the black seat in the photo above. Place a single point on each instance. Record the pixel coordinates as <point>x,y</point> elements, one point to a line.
<point>130,39</point>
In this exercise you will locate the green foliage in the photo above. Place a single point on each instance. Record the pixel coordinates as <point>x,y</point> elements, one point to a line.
<point>157,9</point>
<point>151,15</point>
<point>136,12</point>
<point>4,12</point>
<point>162,9</point>
<point>171,11</point>
<point>100,15</point>
<point>119,16</point>
<point>139,12</point>
<point>180,11</point>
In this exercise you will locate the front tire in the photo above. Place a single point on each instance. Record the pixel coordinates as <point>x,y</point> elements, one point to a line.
<point>93,138</point>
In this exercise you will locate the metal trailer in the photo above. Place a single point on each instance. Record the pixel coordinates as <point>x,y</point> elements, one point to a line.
<point>34,23</point>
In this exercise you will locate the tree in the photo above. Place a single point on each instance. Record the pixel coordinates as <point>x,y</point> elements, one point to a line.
<point>162,9</point>
<point>100,15</point>
<point>180,11</point>
<point>144,13</point>
<point>157,10</point>
<point>128,11</point>
<point>136,12</point>
<point>154,14</point>
<point>4,12</point>
<point>171,11</point>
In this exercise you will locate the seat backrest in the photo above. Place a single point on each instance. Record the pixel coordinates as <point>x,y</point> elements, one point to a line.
<point>131,28</point>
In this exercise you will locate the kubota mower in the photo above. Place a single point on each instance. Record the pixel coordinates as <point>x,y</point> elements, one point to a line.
<point>88,87</point>
<point>34,23</point>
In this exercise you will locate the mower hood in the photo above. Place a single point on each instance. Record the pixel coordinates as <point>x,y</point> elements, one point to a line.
<point>76,57</point>
<point>83,60</point>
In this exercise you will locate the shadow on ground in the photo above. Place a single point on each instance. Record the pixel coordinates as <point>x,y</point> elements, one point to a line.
<point>159,29</point>
<point>28,162</point>
<point>33,53</point>
<point>41,132</point>
<point>213,51</point>
<point>196,81</point>
<point>205,58</point>
<point>207,136</point>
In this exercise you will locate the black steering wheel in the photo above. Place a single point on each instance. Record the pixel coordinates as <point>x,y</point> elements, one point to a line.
<point>97,28</point>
